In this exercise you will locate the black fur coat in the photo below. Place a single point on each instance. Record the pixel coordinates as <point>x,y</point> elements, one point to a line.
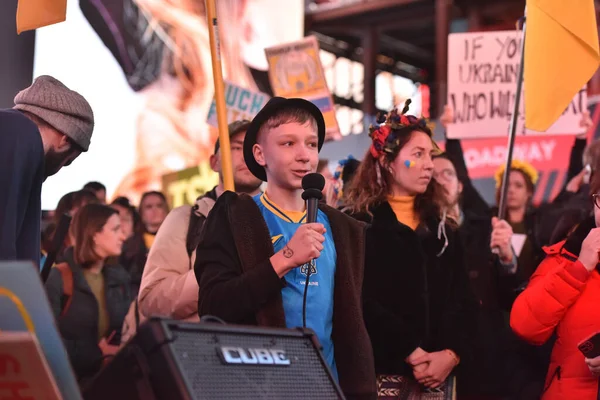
<point>411,297</point>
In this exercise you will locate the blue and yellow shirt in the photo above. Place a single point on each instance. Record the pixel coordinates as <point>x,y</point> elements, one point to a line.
<point>319,302</point>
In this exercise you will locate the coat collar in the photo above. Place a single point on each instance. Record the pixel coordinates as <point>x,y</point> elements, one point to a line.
<point>575,239</point>
<point>114,275</point>
<point>384,218</point>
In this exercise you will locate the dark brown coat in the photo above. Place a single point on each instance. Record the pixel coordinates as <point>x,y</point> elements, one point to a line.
<point>238,283</point>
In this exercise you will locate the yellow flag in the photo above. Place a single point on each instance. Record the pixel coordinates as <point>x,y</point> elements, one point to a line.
<point>561,55</point>
<point>33,14</point>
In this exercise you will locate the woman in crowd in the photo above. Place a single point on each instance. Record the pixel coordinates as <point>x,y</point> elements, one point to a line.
<point>128,215</point>
<point>89,298</point>
<point>418,307</point>
<point>69,204</point>
<point>133,256</point>
<point>562,297</point>
<point>153,210</point>
<point>486,376</point>
<point>521,215</point>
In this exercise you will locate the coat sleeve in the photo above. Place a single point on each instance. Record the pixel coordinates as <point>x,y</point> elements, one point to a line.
<point>552,290</point>
<point>460,315</point>
<point>471,199</point>
<point>226,291</point>
<point>20,162</point>
<point>576,158</point>
<point>169,288</point>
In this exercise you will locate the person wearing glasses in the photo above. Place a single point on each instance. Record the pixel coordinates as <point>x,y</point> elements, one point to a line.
<point>563,296</point>
<point>487,373</point>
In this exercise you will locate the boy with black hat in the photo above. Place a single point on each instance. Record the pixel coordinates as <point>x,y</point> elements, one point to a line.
<point>252,248</point>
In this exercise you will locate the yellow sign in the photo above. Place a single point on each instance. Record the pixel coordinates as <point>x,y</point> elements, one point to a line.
<point>295,70</point>
<point>33,14</point>
<point>184,187</point>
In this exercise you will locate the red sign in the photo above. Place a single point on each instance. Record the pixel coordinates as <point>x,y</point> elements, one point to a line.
<point>485,156</point>
<point>24,373</point>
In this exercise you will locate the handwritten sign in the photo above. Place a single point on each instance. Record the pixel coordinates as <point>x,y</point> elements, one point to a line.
<point>482,79</point>
<point>184,187</point>
<point>241,104</point>
<point>24,372</point>
<point>295,70</point>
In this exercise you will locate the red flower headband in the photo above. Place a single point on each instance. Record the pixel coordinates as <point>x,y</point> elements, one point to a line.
<point>384,135</point>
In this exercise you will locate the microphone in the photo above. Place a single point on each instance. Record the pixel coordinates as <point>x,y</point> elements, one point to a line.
<point>313,185</point>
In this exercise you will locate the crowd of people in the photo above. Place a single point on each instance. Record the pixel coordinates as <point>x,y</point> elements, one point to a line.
<point>415,286</point>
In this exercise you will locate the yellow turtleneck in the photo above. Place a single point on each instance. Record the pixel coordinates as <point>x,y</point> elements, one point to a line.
<point>149,239</point>
<point>404,208</point>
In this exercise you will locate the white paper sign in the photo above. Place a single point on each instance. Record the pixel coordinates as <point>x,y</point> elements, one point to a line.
<point>518,241</point>
<point>482,82</point>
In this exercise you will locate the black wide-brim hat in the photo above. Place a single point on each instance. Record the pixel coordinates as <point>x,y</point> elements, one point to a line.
<point>275,105</point>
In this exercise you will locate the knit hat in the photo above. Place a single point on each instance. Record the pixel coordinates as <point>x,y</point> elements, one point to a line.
<point>234,128</point>
<point>63,109</point>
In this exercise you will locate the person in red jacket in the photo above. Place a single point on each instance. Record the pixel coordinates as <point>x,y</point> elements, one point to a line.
<point>563,296</point>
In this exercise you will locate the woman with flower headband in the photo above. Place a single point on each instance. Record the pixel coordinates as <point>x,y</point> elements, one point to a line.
<point>418,306</point>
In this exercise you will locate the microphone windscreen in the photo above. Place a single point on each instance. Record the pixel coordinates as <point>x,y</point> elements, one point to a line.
<point>313,181</point>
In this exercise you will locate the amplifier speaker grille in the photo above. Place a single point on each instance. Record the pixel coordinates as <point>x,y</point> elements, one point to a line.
<point>170,360</point>
<point>210,377</point>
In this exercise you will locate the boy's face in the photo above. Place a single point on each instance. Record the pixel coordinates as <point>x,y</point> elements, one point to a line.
<point>288,152</point>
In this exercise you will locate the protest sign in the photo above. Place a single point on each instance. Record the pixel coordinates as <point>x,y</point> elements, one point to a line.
<point>482,81</point>
<point>241,104</point>
<point>24,371</point>
<point>295,70</point>
<point>184,187</point>
<point>34,363</point>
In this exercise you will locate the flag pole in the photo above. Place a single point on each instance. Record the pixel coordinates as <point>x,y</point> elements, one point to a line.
<point>215,52</point>
<point>513,127</point>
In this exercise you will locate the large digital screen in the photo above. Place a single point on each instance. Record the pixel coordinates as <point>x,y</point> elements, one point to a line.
<point>145,67</point>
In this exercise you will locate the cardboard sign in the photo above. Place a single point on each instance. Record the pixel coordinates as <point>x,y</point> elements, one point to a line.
<point>240,103</point>
<point>482,82</point>
<point>295,70</point>
<point>24,372</point>
<point>184,187</point>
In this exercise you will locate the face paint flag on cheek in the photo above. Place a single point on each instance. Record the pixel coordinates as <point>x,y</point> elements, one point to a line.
<point>409,163</point>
